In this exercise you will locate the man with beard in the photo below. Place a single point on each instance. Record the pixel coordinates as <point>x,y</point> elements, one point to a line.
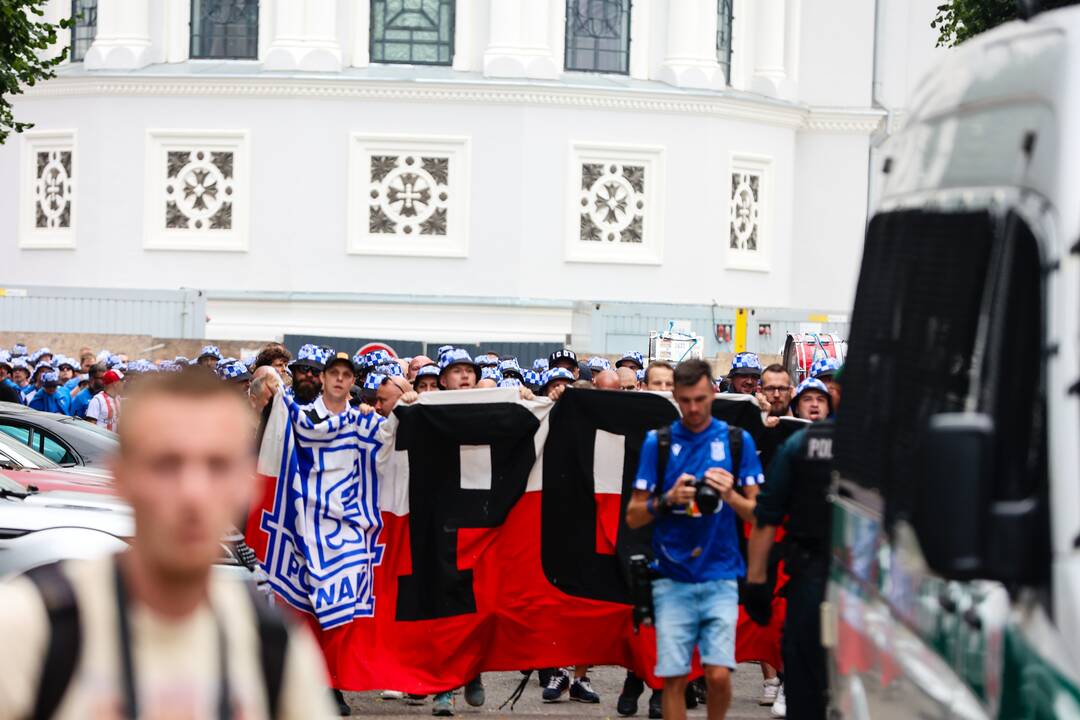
<point>307,374</point>
<point>745,374</point>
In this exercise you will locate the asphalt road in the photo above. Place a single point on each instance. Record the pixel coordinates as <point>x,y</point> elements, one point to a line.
<point>607,681</point>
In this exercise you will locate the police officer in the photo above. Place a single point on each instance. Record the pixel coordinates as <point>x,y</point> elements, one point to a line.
<point>796,484</point>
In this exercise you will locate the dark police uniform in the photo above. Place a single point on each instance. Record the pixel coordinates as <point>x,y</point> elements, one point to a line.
<point>796,484</point>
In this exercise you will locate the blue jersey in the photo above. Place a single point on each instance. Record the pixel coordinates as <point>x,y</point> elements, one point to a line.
<point>54,403</point>
<point>690,547</point>
<point>80,402</point>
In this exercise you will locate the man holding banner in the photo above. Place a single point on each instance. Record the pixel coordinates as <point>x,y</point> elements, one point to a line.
<point>686,485</point>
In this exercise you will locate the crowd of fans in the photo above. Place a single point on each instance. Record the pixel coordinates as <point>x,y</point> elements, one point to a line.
<point>324,381</point>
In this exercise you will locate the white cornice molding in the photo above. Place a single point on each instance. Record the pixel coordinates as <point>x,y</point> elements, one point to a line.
<point>735,107</point>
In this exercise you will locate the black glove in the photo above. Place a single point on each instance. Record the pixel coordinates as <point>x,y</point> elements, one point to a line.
<point>757,599</point>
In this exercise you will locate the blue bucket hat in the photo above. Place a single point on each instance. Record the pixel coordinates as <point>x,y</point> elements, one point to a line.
<point>391,369</point>
<point>640,376</point>
<point>457,356</point>
<point>209,351</point>
<point>631,356</point>
<point>598,364</point>
<point>745,363</point>
<point>810,384</point>
<point>824,368</point>
<point>490,373</point>
<point>555,374</point>
<point>431,370</point>
<point>510,382</point>
<point>234,371</point>
<point>373,382</point>
<point>510,368</point>
<point>443,349</point>
<point>311,356</point>
<point>486,361</point>
<point>540,364</point>
<point>50,378</point>
<point>18,350</point>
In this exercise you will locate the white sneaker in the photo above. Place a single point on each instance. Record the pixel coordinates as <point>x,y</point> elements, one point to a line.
<point>391,695</point>
<point>769,690</point>
<point>779,708</point>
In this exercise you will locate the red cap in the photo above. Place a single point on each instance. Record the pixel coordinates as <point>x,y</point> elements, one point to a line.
<point>110,377</point>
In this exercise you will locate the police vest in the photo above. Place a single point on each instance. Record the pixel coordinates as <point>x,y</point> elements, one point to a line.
<point>808,518</point>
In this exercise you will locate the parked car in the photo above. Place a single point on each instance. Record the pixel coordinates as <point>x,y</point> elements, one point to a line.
<point>16,456</point>
<point>64,440</point>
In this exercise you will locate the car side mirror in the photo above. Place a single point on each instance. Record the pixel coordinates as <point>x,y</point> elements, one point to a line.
<point>965,531</point>
<point>952,493</point>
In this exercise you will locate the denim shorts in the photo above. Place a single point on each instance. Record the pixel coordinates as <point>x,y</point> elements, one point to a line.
<point>687,614</point>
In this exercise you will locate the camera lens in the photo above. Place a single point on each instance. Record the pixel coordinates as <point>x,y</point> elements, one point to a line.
<point>706,497</point>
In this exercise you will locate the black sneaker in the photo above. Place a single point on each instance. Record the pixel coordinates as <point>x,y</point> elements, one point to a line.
<point>342,707</point>
<point>557,686</point>
<point>581,691</point>
<point>474,692</point>
<point>632,688</point>
<point>656,704</point>
<point>700,692</point>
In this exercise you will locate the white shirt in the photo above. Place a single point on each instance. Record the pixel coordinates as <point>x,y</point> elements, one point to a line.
<point>104,410</point>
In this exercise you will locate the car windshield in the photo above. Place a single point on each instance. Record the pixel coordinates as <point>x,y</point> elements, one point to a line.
<point>22,456</point>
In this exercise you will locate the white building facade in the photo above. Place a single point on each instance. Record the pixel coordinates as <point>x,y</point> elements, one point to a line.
<point>468,171</point>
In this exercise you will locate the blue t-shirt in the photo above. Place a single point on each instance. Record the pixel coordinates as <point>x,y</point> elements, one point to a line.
<point>54,403</point>
<point>698,548</point>
<point>80,402</point>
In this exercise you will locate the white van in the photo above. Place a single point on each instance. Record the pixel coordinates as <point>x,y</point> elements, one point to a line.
<point>955,584</point>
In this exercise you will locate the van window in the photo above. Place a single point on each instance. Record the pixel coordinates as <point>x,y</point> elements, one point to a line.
<point>917,307</point>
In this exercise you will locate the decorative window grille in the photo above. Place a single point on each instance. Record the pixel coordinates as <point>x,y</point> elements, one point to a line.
<point>48,201</point>
<point>418,32</point>
<point>747,237</point>
<point>723,36</point>
<point>84,14</point>
<point>598,36</point>
<point>225,29</point>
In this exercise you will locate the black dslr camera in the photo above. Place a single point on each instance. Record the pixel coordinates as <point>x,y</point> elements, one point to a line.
<point>706,496</point>
<point>641,577</point>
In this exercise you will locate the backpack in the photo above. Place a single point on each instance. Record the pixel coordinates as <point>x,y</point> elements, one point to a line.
<point>65,642</point>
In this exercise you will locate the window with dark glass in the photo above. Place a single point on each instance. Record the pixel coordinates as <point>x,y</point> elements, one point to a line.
<point>418,32</point>
<point>225,29</point>
<point>84,15</point>
<point>723,36</point>
<point>598,36</point>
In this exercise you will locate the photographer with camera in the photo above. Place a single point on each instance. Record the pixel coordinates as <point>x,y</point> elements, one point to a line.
<point>687,485</point>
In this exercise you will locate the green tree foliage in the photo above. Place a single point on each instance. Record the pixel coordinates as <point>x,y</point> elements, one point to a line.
<point>957,20</point>
<point>24,38</point>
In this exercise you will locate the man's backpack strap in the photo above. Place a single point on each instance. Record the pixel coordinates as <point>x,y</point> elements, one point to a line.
<point>273,648</point>
<point>663,449</point>
<point>65,637</point>
<point>735,445</point>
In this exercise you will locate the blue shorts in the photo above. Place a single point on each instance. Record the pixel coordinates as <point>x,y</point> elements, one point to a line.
<point>688,614</point>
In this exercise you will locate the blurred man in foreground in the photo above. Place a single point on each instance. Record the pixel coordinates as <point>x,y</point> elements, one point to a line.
<point>151,632</point>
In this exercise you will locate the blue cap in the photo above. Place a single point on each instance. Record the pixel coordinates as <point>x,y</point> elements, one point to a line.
<point>457,356</point>
<point>431,370</point>
<point>811,384</point>
<point>540,364</point>
<point>556,374</point>
<point>631,356</point>
<point>598,363</point>
<point>234,371</point>
<point>510,367</point>
<point>312,356</point>
<point>209,351</point>
<point>50,378</point>
<point>373,381</point>
<point>745,363</point>
<point>824,367</point>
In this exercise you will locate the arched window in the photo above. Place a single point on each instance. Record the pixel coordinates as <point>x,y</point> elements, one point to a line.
<point>419,32</point>
<point>84,13</point>
<point>225,29</point>
<point>598,36</point>
<point>723,36</point>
